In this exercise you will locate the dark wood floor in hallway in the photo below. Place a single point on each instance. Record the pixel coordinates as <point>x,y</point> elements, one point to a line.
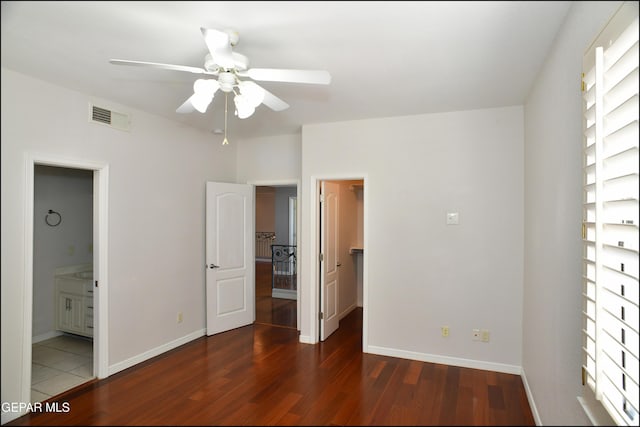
<point>262,375</point>
<point>272,311</point>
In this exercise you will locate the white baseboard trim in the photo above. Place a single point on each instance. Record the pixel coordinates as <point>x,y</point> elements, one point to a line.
<point>532,402</point>
<point>347,311</point>
<point>132,361</point>
<point>284,293</point>
<point>45,336</point>
<point>446,360</point>
<point>305,339</point>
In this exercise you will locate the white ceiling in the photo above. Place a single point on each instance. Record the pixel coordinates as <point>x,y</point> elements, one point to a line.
<point>385,58</point>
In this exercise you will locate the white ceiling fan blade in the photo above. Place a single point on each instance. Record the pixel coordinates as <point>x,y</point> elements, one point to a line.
<point>319,77</point>
<point>270,100</point>
<point>186,107</point>
<point>240,61</point>
<point>215,39</point>
<point>219,46</point>
<point>194,70</point>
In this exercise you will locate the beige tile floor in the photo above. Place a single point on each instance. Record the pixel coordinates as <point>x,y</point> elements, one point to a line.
<point>59,364</point>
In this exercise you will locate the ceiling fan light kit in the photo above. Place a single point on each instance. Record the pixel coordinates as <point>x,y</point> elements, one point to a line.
<point>253,92</point>
<point>203,92</point>
<point>229,67</point>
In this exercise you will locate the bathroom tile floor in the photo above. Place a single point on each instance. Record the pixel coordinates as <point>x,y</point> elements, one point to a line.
<point>59,364</point>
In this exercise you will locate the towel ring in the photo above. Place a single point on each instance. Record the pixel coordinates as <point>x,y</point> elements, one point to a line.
<point>53,223</point>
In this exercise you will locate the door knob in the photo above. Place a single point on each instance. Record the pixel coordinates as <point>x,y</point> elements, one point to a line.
<point>338,264</point>
<point>213,266</point>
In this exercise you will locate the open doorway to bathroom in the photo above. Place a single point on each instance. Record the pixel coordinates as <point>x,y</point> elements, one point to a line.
<point>62,310</point>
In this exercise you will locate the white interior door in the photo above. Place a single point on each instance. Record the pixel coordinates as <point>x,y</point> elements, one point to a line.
<point>329,229</point>
<point>230,267</point>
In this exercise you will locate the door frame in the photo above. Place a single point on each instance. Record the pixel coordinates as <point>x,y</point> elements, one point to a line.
<point>314,246</point>
<point>293,231</point>
<point>286,183</point>
<point>100,260</point>
<point>293,225</point>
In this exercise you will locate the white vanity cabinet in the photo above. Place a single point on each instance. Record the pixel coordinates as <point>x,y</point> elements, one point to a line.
<point>70,313</point>
<point>74,304</point>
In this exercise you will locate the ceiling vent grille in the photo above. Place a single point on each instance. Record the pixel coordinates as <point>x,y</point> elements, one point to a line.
<point>110,118</point>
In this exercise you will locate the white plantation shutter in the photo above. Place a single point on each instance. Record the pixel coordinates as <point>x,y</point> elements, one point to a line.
<point>610,224</point>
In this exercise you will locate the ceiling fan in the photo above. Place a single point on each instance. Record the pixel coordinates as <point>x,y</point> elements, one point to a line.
<point>232,73</point>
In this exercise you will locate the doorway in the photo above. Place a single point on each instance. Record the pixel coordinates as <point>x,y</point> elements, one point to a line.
<point>276,218</point>
<point>77,354</point>
<point>62,320</point>
<point>341,249</point>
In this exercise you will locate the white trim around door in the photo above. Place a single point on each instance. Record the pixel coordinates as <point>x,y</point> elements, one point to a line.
<point>100,260</point>
<point>288,183</point>
<point>314,252</point>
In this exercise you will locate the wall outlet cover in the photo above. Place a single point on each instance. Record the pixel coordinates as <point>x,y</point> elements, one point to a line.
<point>453,218</point>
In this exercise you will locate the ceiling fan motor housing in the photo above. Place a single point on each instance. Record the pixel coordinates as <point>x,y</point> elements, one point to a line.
<point>240,61</point>
<point>227,80</point>
<point>234,37</point>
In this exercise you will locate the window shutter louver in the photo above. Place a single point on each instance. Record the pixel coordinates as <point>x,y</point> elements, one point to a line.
<point>610,226</point>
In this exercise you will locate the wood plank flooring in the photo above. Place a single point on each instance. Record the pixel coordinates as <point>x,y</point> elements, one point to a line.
<point>262,375</point>
<point>272,311</point>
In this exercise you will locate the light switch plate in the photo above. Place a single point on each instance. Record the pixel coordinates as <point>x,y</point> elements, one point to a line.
<point>453,218</point>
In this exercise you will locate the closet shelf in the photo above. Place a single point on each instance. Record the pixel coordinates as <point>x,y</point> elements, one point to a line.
<point>355,250</point>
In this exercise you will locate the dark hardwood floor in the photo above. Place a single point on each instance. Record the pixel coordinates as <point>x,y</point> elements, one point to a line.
<point>262,375</point>
<point>272,311</point>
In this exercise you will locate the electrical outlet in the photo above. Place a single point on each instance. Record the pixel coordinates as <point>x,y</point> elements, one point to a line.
<point>179,318</point>
<point>445,331</point>
<point>485,335</point>
<point>453,218</point>
<point>476,334</point>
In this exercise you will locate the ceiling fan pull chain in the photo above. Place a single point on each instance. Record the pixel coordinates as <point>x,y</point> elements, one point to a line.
<point>224,141</point>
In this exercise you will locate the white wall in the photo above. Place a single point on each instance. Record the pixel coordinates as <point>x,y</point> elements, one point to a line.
<point>269,159</point>
<point>265,209</point>
<point>553,188</point>
<point>282,213</point>
<point>423,274</point>
<point>70,193</point>
<point>157,182</point>
<point>272,161</point>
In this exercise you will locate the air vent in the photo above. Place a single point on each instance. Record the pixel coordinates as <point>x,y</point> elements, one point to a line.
<point>101,115</point>
<point>110,118</point>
